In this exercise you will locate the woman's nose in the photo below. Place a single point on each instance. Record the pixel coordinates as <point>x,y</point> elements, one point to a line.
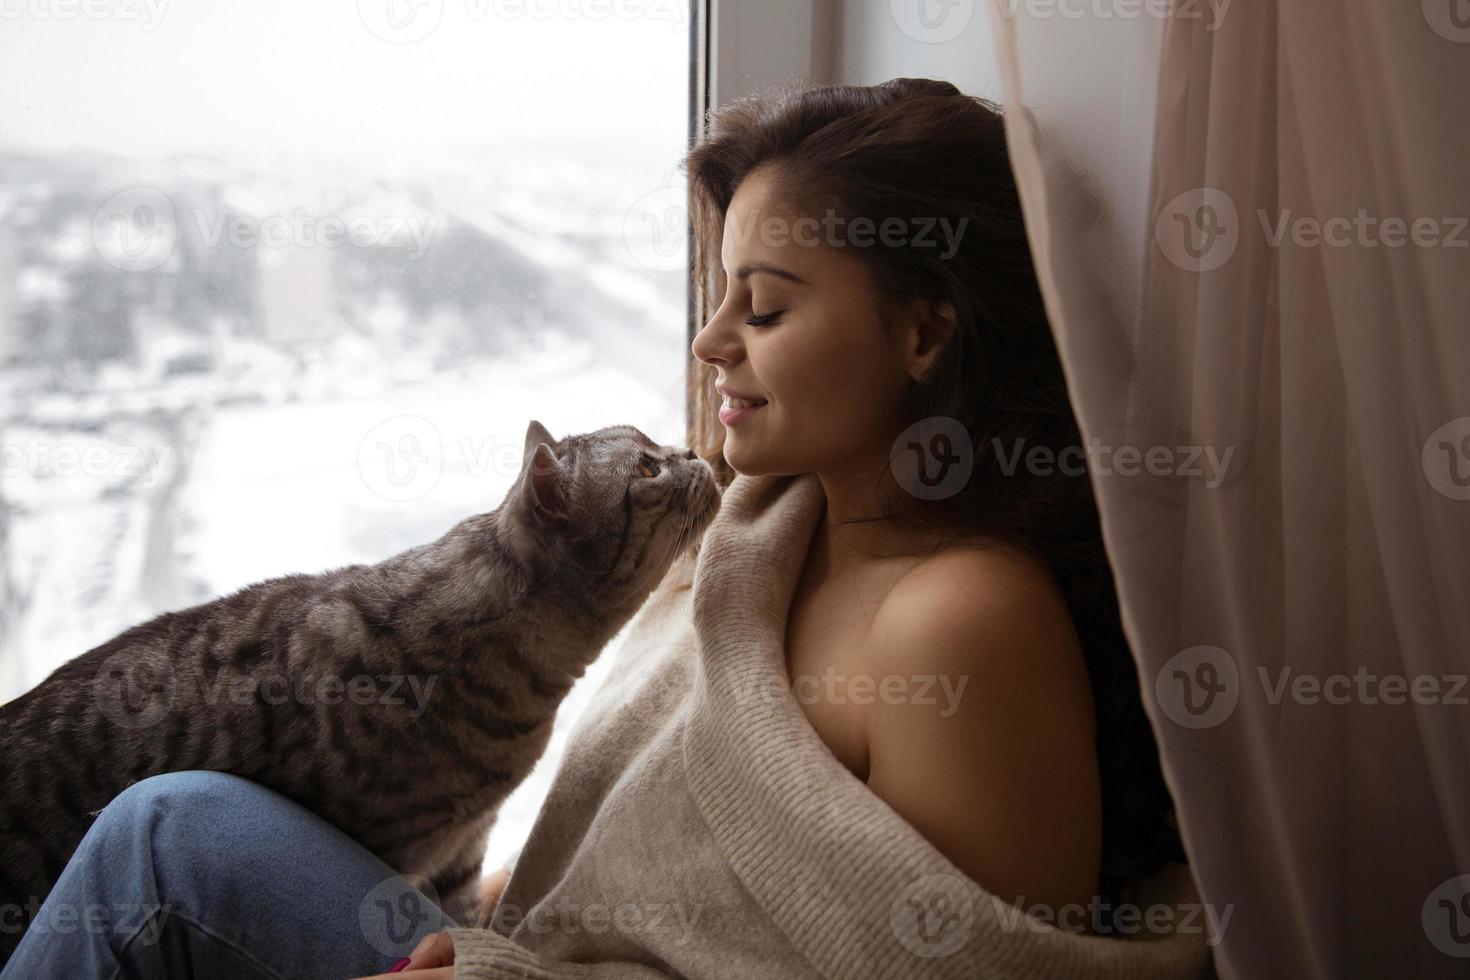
<point>714,344</point>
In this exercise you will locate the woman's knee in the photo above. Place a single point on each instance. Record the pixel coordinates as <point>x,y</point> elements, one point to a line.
<point>191,791</point>
<point>158,834</point>
<point>198,819</point>
<point>180,813</point>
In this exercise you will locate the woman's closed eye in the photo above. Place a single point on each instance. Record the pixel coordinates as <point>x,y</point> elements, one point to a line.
<point>764,319</point>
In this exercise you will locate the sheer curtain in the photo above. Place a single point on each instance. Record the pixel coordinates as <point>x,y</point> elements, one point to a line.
<point>1249,221</point>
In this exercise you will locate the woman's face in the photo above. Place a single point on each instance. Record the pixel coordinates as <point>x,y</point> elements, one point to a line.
<point>816,353</point>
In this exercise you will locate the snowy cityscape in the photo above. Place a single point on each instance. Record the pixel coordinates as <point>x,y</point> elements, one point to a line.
<point>211,375</point>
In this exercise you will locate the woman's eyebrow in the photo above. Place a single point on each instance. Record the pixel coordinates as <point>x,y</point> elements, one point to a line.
<point>746,271</point>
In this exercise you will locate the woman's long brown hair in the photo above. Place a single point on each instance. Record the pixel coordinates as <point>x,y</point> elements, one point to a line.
<point>919,148</point>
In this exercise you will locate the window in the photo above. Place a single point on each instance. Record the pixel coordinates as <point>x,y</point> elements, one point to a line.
<point>281,285</point>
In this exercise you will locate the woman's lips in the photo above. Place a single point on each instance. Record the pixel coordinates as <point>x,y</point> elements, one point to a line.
<point>734,416</point>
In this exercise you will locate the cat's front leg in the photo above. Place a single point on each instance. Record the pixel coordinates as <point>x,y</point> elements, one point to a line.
<point>456,878</point>
<point>462,902</point>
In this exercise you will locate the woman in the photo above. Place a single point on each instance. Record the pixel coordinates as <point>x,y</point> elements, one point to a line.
<point>937,590</point>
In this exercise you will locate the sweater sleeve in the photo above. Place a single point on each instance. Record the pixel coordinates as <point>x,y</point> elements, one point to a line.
<point>484,954</point>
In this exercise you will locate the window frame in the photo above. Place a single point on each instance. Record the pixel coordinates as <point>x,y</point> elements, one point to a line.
<point>733,52</point>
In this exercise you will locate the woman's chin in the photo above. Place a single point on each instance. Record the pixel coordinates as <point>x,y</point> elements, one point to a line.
<point>744,460</point>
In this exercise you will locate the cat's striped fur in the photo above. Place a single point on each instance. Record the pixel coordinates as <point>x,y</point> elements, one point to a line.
<point>461,651</point>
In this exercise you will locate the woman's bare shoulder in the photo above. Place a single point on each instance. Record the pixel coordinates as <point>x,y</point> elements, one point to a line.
<point>997,766</point>
<point>966,587</point>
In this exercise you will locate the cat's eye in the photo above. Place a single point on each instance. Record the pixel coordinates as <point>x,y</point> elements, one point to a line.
<point>647,467</point>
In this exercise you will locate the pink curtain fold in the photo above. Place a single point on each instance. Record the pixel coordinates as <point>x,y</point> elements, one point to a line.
<point>1250,230</point>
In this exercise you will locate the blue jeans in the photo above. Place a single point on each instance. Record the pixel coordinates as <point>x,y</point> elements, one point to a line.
<point>204,874</point>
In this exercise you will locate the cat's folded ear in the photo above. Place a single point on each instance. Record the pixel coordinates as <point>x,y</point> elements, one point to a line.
<point>543,482</point>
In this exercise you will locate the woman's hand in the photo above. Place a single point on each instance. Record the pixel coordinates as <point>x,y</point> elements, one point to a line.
<point>431,959</point>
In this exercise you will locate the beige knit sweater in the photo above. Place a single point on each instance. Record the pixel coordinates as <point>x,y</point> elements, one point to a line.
<point>699,827</point>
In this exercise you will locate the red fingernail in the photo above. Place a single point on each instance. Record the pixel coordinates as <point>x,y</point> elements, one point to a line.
<point>398,967</point>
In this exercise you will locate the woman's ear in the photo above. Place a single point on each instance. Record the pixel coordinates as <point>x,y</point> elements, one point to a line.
<point>929,329</point>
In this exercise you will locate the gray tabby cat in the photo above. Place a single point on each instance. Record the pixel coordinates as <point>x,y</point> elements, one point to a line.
<point>401,701</point>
